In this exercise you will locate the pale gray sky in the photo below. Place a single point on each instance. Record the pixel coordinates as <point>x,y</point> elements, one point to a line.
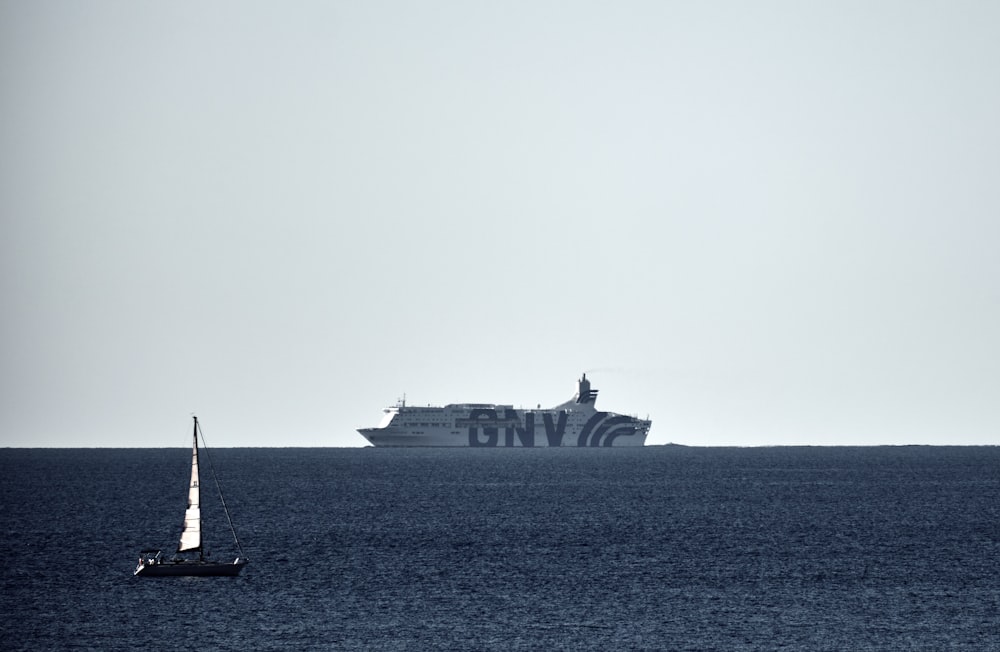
<point>756,222</point>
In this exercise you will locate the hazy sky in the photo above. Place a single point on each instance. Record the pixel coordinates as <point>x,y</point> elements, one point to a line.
<point>755,222</point>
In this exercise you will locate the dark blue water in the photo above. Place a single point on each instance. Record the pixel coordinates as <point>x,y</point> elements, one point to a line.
<point>662,548</point>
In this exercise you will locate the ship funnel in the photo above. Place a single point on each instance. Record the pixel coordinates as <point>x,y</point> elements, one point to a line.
<point>583,392</point>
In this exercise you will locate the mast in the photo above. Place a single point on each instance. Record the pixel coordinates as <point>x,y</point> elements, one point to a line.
<point>191,534</point>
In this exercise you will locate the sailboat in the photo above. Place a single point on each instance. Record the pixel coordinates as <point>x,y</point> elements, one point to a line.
<point>152,562</point>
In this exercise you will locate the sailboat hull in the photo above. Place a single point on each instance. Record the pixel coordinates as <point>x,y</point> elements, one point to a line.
<point>191,569</point>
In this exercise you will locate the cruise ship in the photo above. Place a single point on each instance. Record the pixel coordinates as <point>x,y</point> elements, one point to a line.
<point>577,422</point>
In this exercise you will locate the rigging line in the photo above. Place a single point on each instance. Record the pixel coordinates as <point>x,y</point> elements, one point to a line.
<point>219,488</point>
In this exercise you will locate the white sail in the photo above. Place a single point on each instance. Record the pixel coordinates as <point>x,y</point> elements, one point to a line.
<point>191,535</point>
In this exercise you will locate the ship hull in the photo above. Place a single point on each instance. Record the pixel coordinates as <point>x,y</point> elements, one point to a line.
<point>190,569</point>
<point>404,440</point>
<point>504,427</point>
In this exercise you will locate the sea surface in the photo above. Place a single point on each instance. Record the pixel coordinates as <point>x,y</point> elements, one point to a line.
<point>660,548</point>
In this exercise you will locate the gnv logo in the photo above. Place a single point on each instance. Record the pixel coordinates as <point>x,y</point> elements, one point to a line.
<point>485,426</point>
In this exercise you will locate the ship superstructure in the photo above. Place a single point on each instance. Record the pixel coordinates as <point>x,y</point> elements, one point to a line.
<point>576,422</point>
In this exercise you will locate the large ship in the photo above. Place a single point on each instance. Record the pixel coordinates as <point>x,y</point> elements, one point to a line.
<point>577,422</point>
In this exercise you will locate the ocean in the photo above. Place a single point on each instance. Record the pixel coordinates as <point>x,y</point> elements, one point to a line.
<point>658,548</point>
